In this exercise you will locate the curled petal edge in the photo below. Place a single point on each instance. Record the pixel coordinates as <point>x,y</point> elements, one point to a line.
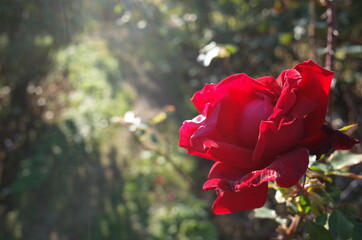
<point>251,198</point>
<point>286,170</point>
<point>328,139</point>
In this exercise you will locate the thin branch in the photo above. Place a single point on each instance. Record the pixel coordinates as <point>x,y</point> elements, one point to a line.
<point>311,28</point>
<point>165,156</point>
<point>292,229</point>
<point>332,33</point>
<point>342,174</point>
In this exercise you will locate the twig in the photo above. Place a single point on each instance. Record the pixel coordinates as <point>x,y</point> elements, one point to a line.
<point>165,156</point>
<point>349,175</point>
<point>332,32</point>
<point>311,28</point>
<point>293,225</point>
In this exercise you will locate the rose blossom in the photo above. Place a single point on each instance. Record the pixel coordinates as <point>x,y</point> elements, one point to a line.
<point>258,130</point>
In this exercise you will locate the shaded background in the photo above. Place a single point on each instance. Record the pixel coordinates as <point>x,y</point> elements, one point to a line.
<point>75,165</point>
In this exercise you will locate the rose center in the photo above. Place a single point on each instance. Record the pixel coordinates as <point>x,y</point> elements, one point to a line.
<point>249,119</point>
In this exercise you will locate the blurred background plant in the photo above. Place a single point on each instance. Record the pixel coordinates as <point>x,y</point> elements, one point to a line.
<point>92,94</point>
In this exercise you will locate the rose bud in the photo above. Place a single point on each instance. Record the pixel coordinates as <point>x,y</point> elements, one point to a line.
<point>260,130</point>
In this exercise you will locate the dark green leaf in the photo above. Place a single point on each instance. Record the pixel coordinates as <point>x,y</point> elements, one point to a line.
<point>357,231</point>
<point>340,225</point>
<point>321,219</point>
<point>317,232</point>
<point>154,138</point>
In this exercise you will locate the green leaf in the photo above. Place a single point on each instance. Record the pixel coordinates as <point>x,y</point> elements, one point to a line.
<point>285,38</point>
<point>154,138</point>
<point>316,199</point>
<point>316,231</point>
<point>320,167</point>
<point>292,207</point>
<point>117,8</point>
<point>344,159</point>
<point>347,127</point>
<point>162,116</point>
<point>354,49</point>
<point>340,225</point>
<point>349,211</point>
<point>357,231</point>
<point>264,213</point>
<point>262,26</point>
<point>231,48</point>
<point>321,219</point>
<point>304,203</point>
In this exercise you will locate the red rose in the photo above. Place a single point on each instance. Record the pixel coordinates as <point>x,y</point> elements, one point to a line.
<point>258,130</point>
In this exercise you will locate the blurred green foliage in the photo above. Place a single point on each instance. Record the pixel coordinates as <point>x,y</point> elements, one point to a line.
<point>73,166</point>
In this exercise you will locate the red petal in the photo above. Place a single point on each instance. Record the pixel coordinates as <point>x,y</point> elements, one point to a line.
<point>207,128</point>
<point>241,81</point>
<point>200,137</point>
<point>289,80</point>
<point>227,120</point>
<point>343,142</point>
<point>226,172</point>
<point>326,139</point>
<point>315,86</point>
<point>223,178</point>
<point>237,157</point>
<point>240,192</point>
<point>302,107</point>
<point>251,198</point>
<point>274,140</point>
<point>291,103</point>
<point>286,170</point>
<point>238,122</point>
<point>204,96</point>
<point>233,155</point>
<point>236,83</point>
<point>271,83</point>
<point>248,120</point>
<point>188,128</point>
